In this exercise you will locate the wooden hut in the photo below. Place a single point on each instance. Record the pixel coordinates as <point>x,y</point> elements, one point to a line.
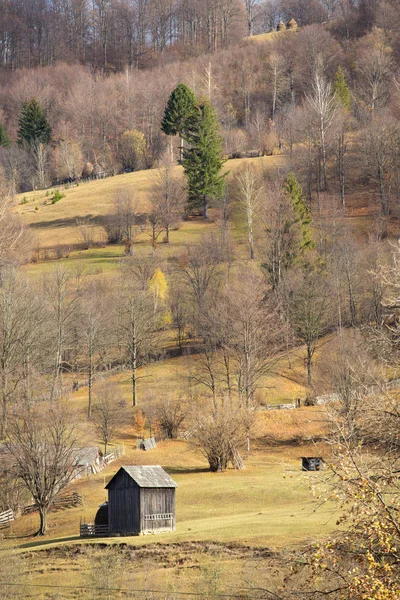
<point>292,24</point>
<point>141,500</point>
<point>281,26</point>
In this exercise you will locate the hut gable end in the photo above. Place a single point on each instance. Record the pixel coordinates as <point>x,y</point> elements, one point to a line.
<point>144,477</point>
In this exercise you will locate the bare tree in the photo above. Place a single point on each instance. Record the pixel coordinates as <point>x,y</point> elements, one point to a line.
<point>62,294</point>
<point>137,320</point>
<point>309,312</point>
<point>201,273</point>
<point>167,199</point>
<point>220,434</point>
<point>42,442</point>
<point>107,413</point>
<point>249,196</point>
<point>19,330</point>
<point>126,212</point>
<point>257,335</point>
<point>277,76</point>
<point>94,323</point>
<point>169,411</point>
<point>322,103</point>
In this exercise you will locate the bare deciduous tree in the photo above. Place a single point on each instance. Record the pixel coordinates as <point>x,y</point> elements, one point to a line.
<point>42,442</point>
<point>167,199</point>
<point>250,200</point>
<point>322,103</point>
<point>107,413</point>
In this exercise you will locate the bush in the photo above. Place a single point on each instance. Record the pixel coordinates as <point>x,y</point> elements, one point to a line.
<point>57,196</point>
<point>170,414</point>
<point>219,435</point>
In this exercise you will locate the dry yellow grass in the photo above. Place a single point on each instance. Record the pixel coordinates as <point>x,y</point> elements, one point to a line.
<point>55,224</point>
<point>269,37</point>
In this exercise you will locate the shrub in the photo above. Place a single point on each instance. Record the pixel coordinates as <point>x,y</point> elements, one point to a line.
<point>57,196</point>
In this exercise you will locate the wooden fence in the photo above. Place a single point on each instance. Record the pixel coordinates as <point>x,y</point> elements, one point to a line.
<point>91,530</point>
<point>6,517</point>
<point>279,406</point>
<point>116,453</point>
<point>59,503</point>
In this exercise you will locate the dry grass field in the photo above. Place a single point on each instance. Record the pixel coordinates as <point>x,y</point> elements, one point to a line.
<point>55,224</point>
<point>269,505</point>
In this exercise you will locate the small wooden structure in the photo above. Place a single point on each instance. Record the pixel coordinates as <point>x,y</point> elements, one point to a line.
<point>146,444</point>
<point>141,500</point>
<point>292,24</point>
<point>281,26</point>
<point>312,463</point>
<point>89,460</point>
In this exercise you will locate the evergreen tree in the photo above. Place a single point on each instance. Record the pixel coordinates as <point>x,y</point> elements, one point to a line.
<point>202,160</point>
<point>341,89</point>
<point>34,127</point>
<point>301,210</point>
<point>180,111</point>
<point>180,114</point>
<point>4,138</point>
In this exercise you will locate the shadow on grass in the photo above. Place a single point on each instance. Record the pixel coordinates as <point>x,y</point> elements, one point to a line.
<point>186,470</point>
<point>38,542</point>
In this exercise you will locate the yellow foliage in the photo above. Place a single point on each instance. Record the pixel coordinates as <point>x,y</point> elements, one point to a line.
<point>159,286</point>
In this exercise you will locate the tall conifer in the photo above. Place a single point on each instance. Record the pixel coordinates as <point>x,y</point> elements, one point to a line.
<point>341,89</point>
<point>34,127</point>
<point>202,159</point>
<point>4,138</point>
<point>301,210</point>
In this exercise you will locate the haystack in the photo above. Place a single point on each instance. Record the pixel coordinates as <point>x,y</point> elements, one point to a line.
<point>281,26</point>
<point>292,24</point>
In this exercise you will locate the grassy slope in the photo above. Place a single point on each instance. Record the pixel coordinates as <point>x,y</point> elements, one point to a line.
<point>56,223</point>
<point>268,504</point>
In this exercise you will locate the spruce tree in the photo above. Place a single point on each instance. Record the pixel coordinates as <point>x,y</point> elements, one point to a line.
<point>180,111</point>
<point>301,210</point>
<point>34,127</point>
<point>180,114</point>
<point>4,138</point>
<point>202,159</point>
<point>341,89</point>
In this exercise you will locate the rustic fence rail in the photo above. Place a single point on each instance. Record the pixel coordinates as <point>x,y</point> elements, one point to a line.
<point>114,454</point>
<point>91,530</point>
<point>59,503</point>
<point>6,517</point>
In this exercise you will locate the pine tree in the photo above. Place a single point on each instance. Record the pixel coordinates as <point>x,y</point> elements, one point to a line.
<point>180,111</point>
<point>301,210</point>
<point>34,127</point>
<point>341,89</point>
<point>4,138</point>
<point>202,160</point>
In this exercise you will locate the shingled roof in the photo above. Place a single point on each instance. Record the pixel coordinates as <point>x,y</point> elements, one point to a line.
<point>148,477</point>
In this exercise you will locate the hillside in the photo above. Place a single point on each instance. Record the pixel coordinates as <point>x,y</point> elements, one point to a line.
<point>199,282</point>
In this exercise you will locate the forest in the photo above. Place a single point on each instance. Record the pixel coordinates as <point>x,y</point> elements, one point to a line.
<point>199,243</point>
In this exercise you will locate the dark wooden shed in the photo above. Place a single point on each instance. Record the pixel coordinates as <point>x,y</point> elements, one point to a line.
<point>141,500</point>
<point>312,463</point>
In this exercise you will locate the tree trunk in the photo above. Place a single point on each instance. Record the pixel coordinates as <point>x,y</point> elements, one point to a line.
<point>43,520</point>
<point>134,358</point>
<point>90,381</point>
<point>205,207</point>
<point>309,360</point>
<point>3,401</point>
